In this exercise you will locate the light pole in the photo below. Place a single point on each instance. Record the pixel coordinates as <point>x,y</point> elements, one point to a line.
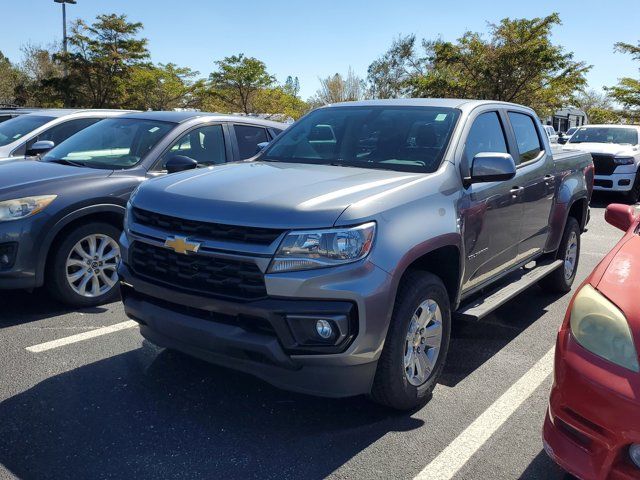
<point>64,21</point>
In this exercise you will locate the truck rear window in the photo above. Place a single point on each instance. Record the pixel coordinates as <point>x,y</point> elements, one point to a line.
<point>394,138</point>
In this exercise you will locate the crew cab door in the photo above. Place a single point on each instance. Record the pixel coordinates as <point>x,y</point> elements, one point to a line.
<point>535,177</point>
<point>490,213</point>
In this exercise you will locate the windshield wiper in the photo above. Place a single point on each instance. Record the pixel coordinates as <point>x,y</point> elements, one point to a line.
<point>64,161</point>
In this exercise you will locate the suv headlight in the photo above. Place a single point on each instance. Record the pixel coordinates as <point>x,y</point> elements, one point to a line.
<point>24,207</point>
<point>600,327</point>
<point>304,250</point>
<point>623,160</point>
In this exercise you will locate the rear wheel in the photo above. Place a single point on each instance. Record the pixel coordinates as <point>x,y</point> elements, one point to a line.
<point>83,270</point>
<point>561,279</point>
<point>416,344</point>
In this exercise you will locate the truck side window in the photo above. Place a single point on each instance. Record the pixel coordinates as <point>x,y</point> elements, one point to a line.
<point>248,139</point>
<point>527,138</point>
<point>486,135</point>
<point>205,145</point>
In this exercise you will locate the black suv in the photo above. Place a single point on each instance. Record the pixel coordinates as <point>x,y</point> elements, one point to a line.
<point>61,215</point>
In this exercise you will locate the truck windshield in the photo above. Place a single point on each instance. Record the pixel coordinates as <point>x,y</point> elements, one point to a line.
<point>605,135</point>
<point>18,127</point>
<point>113,143</point>
<point>395,138</point>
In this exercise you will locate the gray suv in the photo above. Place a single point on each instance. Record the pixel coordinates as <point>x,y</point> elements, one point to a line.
<point>334,262</point>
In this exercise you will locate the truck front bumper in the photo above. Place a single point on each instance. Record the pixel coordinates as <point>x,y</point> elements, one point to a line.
<point>617,182</point>
<point>263,337</point>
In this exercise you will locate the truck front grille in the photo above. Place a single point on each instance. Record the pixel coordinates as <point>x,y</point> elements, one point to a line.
<point>217,277</point>
<point>603,164</point>
<point>206,230</point>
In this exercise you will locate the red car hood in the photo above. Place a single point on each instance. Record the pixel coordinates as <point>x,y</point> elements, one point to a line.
<point>618,279</point>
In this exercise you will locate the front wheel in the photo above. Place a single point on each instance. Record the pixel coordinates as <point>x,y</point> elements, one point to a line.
<point>416,344</point>
<point>632,195</point>
<point>561,279</point>
<point>83,269</point>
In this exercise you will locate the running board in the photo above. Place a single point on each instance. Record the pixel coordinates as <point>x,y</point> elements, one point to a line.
<point>483,306</point>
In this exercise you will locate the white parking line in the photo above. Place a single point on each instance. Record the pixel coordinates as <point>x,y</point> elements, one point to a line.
<point>456,455</point>
<point>81,336</point>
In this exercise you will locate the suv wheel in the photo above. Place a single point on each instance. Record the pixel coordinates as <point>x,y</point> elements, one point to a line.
<point>561,279</point>
<point>416,345</point>
<point>83,270</point>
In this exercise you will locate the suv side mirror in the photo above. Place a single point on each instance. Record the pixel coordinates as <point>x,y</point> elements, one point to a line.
<point>40,147</point>
<point>491,167</point>
<point>261,146</point>
<point>620,216</point>
<point>180,163</point>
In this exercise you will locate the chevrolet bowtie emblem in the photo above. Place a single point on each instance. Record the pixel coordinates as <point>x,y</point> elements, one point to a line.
<point>180,244</point>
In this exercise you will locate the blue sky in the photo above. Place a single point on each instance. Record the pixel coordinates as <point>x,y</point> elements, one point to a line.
<point>313,39</point>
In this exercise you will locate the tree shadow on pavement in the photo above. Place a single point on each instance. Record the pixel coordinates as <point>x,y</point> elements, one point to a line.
<point>152,413</point>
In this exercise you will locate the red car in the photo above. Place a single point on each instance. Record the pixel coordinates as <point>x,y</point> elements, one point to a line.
<point>592,427</point>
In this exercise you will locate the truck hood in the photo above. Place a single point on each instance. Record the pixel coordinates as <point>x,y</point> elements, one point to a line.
<point>273,194</point>
<point>604,148</point>
<point>30,177</point>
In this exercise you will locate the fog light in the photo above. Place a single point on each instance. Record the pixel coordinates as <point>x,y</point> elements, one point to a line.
<point>634,453</point>
<point>324,329</point>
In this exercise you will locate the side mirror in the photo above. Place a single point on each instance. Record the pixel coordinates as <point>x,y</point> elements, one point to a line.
<point>491,167</point>
<point>40,147</point>
<point>261,146</point>
<point>620,216</point>
<point>180,163</point>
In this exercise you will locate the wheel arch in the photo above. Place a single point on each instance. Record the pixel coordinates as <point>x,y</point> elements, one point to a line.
<point>108,213</point>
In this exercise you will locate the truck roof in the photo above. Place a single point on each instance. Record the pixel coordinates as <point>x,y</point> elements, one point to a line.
<point>423,102</point>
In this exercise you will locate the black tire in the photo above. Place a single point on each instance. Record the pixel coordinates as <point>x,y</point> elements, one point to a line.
<point>391,386</point>
<point>557,281</point>
<point>56,280</point>
<point>632,195</point>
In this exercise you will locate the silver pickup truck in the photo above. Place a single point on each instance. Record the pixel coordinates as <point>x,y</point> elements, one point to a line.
<point>335,261</point>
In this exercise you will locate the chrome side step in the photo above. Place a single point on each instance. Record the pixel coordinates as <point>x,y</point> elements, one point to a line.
<point>518,282</point>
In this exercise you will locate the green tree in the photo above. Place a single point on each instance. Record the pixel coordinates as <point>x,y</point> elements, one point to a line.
<point>336,88</point>
<point>10,79</point>
<point>42,76</point>
<point>162,87</point>
<point>100,60</point>
<point>517,63</point>
<point>279,103</point>
<point>627,92</point>
<point>598,106</point>
<point>237,80</point>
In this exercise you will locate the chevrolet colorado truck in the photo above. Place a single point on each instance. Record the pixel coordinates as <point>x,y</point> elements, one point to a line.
<point>334,262</point>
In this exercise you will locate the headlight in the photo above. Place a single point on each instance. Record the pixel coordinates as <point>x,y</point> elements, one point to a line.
<point>23,207</point>
<point>305,250</point>
<point>600,327</point>
<point>623,160</point>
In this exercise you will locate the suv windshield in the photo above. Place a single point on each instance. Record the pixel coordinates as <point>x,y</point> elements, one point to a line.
<point>605,135</point>
<point>394,138</point>
<point>113,143</point>
<point>18,127</point>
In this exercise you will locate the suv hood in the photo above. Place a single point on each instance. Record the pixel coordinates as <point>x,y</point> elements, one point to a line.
<point>272,194</point>
<point>604,148</point>
<point>31,177</point>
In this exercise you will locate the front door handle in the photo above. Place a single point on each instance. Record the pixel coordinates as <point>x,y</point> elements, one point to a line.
<point>516,191</point>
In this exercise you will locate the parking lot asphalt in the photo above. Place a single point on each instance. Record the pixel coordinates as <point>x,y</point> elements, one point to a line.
<point>114,406</point>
